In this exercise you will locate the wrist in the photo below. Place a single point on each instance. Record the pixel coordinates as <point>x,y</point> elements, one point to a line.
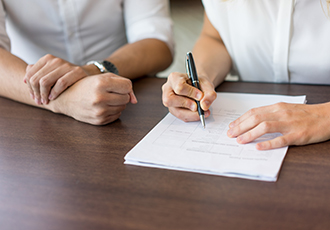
<point>104,66</point>
<point>91,69</point>
<point>54,106</point>
<point>203,77</point>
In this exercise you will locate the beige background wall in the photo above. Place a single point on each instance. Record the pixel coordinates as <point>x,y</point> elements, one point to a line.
<point>188,20</point>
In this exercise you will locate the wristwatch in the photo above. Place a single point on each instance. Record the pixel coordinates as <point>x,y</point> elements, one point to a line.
<point>104,66</point>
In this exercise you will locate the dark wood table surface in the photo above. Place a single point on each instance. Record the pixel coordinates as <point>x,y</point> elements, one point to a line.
<point>58,173</point>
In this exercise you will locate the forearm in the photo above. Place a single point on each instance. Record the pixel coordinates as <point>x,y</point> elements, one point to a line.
<point>212,59</point>
<point>12,71</point>
<point>211,56</point>
<point>141,58</point>
<point>12,86</point>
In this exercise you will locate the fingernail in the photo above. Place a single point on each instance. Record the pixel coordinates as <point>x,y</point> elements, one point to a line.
<point>207,103</point>
<point>240,139</point>
<point>36,101</point>
<point>260,146</point>
<point>32,96</point>
<point>50,97</point>
<point>231,125</point>
<point>230,133</point>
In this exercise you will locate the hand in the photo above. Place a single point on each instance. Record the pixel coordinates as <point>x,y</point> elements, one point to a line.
<point>179,96</point>
<point>50,76</point>
<point>299,124</point>
<point>97,99</point>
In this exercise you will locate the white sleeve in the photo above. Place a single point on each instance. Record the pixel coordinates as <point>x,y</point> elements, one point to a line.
<point>148,19</point>
<point>4,39</point>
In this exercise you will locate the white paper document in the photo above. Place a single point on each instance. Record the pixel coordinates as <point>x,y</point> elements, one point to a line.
<point>174,144</point>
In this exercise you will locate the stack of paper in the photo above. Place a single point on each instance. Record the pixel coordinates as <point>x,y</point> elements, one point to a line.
<point>174,144</point>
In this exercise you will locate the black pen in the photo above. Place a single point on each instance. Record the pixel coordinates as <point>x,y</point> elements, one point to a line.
<point>191,71</point>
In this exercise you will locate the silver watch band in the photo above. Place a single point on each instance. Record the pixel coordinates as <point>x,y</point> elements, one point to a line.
<point>99,65</point>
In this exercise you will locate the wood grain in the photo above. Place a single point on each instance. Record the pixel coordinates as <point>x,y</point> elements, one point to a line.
<point>58,173</point>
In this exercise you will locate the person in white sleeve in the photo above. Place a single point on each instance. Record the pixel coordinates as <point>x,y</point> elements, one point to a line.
<point>284,41</point>
<point>78,57</point>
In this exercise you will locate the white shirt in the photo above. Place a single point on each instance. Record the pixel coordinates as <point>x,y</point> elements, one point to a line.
<point>274,40</point>
<point>80,30</point>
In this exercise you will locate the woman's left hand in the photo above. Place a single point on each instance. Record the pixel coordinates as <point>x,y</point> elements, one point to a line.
<point>299,124</point>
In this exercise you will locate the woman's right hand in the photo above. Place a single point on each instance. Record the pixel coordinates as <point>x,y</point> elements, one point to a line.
<point>179,96</point>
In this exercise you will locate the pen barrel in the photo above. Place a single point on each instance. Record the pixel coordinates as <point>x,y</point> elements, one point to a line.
<point>199,108</point>
<point>196,84</point>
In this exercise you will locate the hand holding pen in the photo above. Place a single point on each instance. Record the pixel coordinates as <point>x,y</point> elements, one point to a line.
<point>180,96</point>
<point>192,73</point>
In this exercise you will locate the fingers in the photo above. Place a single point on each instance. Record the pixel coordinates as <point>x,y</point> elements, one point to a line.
<point>133,98</point>
<point>68,76</point>
<point>107,107</point>
<point>28,82</point>
<point>107,120</point>
<point>254,114</point>
<point>114,83</point>
<point>278,118</point>
<point>264,128</point>
<point>187,115</point>
<point>28,69</point>
<point>180,96</point>
<point>115,99</point>
<point>50,76</point>
<point>172,100</point>
<point>55,82</point>
<point>119,85</point>
<point>34,74</point>
<point>95,99</point>
<point>104,114</point>
<point>111,89</point>
<point>178,82</point>
<point>209,93</point>
<point>246,123</point>
<point>261,129</point>
<point>277,142</point>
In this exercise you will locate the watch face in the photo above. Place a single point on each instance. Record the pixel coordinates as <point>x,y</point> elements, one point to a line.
<point>110,67</point>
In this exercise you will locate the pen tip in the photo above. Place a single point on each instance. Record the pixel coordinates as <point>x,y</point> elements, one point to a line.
<point>202,120</point>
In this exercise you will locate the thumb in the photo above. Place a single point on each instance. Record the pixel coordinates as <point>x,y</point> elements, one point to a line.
<point>209,95</point>
<point>133,99</point>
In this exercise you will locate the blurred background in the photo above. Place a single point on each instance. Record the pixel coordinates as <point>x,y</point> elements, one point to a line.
<point>188,21</point>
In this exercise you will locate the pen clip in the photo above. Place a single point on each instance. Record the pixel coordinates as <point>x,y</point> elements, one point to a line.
<point>187,67</point>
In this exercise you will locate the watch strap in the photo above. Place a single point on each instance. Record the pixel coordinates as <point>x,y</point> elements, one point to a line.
<point>99,65</point>
<point>104,66</point>
<point>110,67</point>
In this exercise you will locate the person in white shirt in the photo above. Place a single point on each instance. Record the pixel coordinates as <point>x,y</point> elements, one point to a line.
<point>77,57</point>
<point>264,41</point>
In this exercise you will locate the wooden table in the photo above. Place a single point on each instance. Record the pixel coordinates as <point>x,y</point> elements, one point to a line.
<point>58,173</point>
